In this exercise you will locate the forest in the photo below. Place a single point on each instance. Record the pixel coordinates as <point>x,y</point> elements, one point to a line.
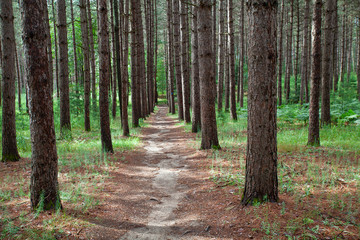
<point>180,119</point>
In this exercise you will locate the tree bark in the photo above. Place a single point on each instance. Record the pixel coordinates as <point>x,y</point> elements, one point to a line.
<point>184,63</point>
<point>86,69</point>
<point>18,77</point>
<point>104,50</point>
<point>135,98</point>
<point>305,52</point>
<point>358,62</point>
<point>296,65</point>
<point>113,56</point>
<point>9,144</point>
<point>314,132</point>
<point>65,123</point>
<point>221,56</point>
<point>343,45</point>
<point>176,36</point>
<point>289,51</point>
<point>170,54</point>
<point>261,182</point>
<point>74,47</point>
<point>232,61</point>
<point>326,67</point>
<point>207,77</point>
<point>349,50</point>
<point>279,87</point>
<point>335,64</point>
<point>44,167</point>
<point>56,52</point>
<point>51,67</point>
<point>242,55</point>
<point>195,84</point>
<point>226,62</point>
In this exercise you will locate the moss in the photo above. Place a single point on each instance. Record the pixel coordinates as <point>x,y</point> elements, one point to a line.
<point>10,158</point>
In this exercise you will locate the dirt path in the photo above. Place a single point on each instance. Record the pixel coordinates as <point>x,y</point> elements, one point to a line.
<point>143,197</point>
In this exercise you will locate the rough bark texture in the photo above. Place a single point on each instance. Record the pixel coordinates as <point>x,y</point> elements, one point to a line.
<point>117,52</point>
<point>113,53</point>
<point>221,56</point>
<point>44,167</point>
<point>125,78</point>
<point>56,52</point>
<point>335,64</point>
<point>279,87</point>
<point>86,68</point>
<point>171,57</point>
<point>195,84</point>
<point>49,48</point>
<point>9,144</point>
<point>226,63</point>
<point>358,63</point>
<point>207,77</point>
<point>135,98</point>
<point>184,63</point>
<point>232,61</point>
<point>176,36</point>
<point>305,51</point>
<point>349,50</point>
<point>242,55</point>
<point>261,183</point>
<point>104,78</point>
<point>289,51</point>
<point>65,123</point>
<point>314,132</point>
<point>326,67</point>
<point>92,56</point>
<point>343,45</point>
<point>297,47</point>
<point>1,63</point>
<point>74,46</point>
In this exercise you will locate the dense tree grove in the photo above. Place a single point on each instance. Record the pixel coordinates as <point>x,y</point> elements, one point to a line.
<point>204,58</point>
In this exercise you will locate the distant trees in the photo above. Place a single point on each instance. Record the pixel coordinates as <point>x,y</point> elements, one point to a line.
<point>9,144</point>
<point>44,168</point>
<point>261,182</point>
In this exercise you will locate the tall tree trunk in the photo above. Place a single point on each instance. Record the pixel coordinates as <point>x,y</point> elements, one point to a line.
<point>209,136</point>
<point>155,22</point>
<point>113,56</point>
<point>305,52</point>
<point>125,78</point>
<point>358,62</point>
<point>9,144</point>
<point>184,63</point>
<point>261,182</point>
<point>314,132</point>
<point>214,8</point>
<point>232,60</point>
<point>170,54</point>
<point>86,68</point>
<point>150,52</point>
<point>74,47</point>
<point>195,84</point>
<point>65,123</point>
<point>18,77</point>
<point>221,56</point>
<point>343,45</point>
<point>49,47</point>
<point>176,36</point>
<point>326,67</point>
<point>279,87</point>
<point>56,52</point>
<point>349,49</point>
<point>242,55</point>
<point>1,64</point>
<point>296,65</point>
<point>335,61</point>
<point>226,62</point>
<point>135,99</point>
<point>92,57</point>
<point>44,187</point>
<point>117,53</point>
<point>104,50</point>
<point>289,51</point>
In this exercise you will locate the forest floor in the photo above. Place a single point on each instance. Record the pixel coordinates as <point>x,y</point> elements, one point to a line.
<point>168,189</point>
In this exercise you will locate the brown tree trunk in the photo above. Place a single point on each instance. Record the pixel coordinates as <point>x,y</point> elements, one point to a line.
<point>176,36</point>
<point>104,50</point>
<point>314,132</point>
<point>44,186</point>
<point>170,55</point>
<point>49,48</point>
<point>296,65</point>
<point>184,63</point>
<point>221,56</point>
<point>232,61</point>
<point>65,123</point>
<point>125,78</point>
<point>86,68</point>
<point>207,77</point>
<point>289,51</point>
<point>74,47</point>
<point>155,23</point>
<point>113,56</point>
<point>195,84</point>
<point>92,56</point>
<point>261,182</point>
<point>1,64</point>
<point>343,46</point>
<point>56,53</point>
<point>358,62</point>
<point>18,77</point>
<point>305,52</point>
<point>335,64</point>
<point>326,67</point>
<point>226,62</point>
<point>242,55</point>
<point>117,54</point>
<point>279,87</point>
<point>349,49</point>
<point>9,144</point>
